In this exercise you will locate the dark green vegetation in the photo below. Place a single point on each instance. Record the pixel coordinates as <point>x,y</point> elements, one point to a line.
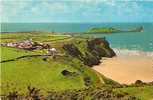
<point>64,77</point>
<point>103,30</point>
<point>141,90</point>
<point>113,30</point>
<point>103,93</point>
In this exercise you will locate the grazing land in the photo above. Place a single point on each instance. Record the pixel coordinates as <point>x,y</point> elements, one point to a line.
<point>67,75</point>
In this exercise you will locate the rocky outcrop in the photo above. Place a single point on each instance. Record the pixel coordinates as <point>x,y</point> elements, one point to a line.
<point>95,50</point>
<point>90,59</point>
<point>72,50</point>
<point>100,47</point>
<point>68,73</point>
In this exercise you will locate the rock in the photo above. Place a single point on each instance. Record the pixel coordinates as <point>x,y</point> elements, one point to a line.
<point>68,73</point>
<point>72,50</point>
<point>139,82</point>
<point>101,46</point>
<point>90,59</point>
<point>95,50</point>
<point>87,81</point>
<point>65,72</point>
<point>44,59</point>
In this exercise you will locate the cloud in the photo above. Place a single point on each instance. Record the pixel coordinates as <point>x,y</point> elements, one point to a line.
<point>13,8</point>
<point>56,7</point>
<point>73,10</point>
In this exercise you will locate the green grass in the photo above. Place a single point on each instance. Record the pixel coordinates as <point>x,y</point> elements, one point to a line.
<point>39,37</point>
<point>8,53</point>
<point>51,39</point>
<point>41,74</point>
<point>143,93</point>
<point>46,75</point>
<point>103,30</point>
<point>34,71</point>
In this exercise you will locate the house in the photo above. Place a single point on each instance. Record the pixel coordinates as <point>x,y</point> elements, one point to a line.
<point>28,45</point>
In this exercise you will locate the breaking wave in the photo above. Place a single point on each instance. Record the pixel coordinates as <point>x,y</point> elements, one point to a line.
<point>127,52</point>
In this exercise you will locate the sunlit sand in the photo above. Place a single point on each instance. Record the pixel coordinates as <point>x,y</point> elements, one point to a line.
<point>127,69</point>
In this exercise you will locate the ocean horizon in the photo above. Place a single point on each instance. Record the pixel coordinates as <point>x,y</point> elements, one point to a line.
<point>76,49</point>
<point>136,41</point>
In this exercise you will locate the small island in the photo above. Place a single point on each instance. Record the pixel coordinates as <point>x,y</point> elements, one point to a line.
<point>113,30</point>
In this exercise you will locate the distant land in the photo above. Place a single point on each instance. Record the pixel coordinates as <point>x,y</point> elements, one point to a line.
<point>113,30</point>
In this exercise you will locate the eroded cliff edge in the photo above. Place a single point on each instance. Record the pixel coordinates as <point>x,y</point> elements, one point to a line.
<point>91,51</point>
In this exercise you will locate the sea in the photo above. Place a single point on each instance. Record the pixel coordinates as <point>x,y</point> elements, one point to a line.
<point>134,43</point>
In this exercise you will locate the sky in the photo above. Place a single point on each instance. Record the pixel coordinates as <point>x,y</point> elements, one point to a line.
<point>76,11</point>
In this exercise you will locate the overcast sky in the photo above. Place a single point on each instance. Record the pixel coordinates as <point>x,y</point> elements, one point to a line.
<point>76,10</point>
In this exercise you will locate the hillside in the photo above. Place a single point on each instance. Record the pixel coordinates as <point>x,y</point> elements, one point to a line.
<point>67,76</point>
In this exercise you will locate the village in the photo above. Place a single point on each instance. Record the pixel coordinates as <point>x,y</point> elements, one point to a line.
<point>31,45</point>
<point>27,45</point>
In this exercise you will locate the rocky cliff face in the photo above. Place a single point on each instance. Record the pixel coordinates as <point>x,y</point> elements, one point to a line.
<point>100,47</point>
<point>72,50</point>
<point>95,50</point>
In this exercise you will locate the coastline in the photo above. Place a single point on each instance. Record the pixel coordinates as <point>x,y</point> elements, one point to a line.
<point>127,67</point>
<point>41,71</point>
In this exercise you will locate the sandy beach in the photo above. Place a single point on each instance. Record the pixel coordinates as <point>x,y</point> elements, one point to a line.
<point>126,69</point>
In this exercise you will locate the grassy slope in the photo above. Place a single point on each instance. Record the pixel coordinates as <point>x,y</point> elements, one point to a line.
<point>143,93</point>
<point>35,71</point>
<point>8,53</point>
<point>42,74</point>
<point>46,75</point>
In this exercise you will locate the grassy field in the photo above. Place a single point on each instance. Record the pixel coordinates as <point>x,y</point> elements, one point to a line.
<point>47,74</point>
<point>36,72</point>
<point>39,37</point>
<point>143,93</point>
<point>8,53</point>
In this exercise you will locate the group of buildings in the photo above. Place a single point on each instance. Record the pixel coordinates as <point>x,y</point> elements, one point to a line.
<point>27,45</point>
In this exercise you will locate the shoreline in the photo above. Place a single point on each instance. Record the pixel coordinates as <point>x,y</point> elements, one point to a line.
<point>126,69</point>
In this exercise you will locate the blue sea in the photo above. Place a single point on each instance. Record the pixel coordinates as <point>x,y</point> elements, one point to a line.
<point>135,41</point>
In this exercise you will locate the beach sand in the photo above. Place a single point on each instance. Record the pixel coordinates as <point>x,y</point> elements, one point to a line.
<point>127,69</point>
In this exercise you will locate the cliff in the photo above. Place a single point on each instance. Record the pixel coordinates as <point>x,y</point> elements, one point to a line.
<point>93,51</point>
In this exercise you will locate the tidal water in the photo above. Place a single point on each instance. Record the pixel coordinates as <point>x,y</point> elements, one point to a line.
<point>135,41</point>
